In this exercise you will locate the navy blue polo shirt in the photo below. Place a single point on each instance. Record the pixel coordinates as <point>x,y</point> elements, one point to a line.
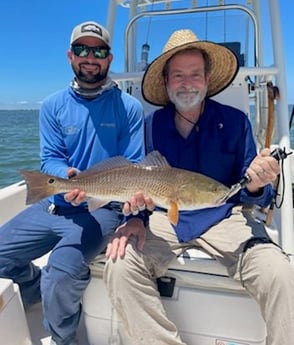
<point>220,146</point>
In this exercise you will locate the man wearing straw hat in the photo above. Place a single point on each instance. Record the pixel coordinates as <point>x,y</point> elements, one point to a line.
<point>197,133</point>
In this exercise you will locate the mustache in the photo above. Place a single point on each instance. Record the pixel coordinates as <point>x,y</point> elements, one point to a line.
<point>89,63</point>
<point>187,91</point>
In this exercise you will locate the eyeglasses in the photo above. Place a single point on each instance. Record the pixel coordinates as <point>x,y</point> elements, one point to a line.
<point>83,51</point>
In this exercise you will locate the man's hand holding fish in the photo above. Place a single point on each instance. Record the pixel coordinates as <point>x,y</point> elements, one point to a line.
<point>75,196</point>
<point>138,202</point>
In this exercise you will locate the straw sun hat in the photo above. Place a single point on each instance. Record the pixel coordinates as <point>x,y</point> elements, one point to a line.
<point>224,66</point>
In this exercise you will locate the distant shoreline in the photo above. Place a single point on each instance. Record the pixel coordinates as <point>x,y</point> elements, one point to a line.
<point>28,109</point>
<point>290,105</point>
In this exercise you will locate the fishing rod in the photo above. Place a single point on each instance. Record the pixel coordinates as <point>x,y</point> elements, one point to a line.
<point>278,154</point>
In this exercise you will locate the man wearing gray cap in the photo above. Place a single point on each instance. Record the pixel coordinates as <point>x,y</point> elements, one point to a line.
<point>80,126</point>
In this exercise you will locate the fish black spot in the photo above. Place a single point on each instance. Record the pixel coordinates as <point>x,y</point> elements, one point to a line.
<point>51,180</point>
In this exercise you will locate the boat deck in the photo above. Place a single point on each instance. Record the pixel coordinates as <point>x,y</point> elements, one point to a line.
<point>39,335</point>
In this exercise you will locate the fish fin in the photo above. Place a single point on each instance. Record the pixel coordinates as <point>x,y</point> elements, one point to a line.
<point>107,164</point>
<point>155,158</point>
<point>94,203</point>
<point>152,159</point>
<point>39,185</point>
<point>173,213</point>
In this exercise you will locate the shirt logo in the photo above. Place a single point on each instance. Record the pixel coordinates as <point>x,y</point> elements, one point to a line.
<point>107,124</point>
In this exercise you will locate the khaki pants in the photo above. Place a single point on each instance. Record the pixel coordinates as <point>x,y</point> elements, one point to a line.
<point>263,270</point>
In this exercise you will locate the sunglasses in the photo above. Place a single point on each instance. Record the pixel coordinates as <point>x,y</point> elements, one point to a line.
<point>83,51</point>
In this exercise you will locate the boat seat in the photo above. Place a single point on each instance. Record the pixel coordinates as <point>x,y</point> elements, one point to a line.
<point>195,260</point>
<point>193,269</point>
<point>196,269</point>
<point>192,260</point>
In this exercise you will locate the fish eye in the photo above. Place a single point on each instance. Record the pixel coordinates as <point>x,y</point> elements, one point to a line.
<point>51,180</point>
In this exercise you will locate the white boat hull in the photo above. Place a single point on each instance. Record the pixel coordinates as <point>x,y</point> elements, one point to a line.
<point>13,324</point>
<point>204,306</point>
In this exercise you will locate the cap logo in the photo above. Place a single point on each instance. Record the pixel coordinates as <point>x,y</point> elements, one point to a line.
<point>92,28</point>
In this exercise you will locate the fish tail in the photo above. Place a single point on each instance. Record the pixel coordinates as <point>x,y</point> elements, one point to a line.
<point>39,186</point>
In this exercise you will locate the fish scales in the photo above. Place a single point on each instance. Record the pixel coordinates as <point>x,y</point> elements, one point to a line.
<point>118,179</point>
<point>120,184</point>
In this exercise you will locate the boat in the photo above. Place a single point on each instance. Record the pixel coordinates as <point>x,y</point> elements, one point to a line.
<point>206,305</point>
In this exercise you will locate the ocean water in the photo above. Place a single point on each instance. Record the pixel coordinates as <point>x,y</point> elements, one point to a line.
<point>19,143</point>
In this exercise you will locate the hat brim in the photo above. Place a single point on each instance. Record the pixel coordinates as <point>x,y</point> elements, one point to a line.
<point>224,67</point>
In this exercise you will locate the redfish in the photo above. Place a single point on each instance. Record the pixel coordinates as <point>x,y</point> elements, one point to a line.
<point>117,179</point>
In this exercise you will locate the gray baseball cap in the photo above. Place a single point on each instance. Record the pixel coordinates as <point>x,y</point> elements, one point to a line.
<point>91,29</point>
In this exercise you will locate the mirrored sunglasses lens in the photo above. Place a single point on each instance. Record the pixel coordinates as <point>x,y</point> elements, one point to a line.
<point>81,51</point>
<point>100,53</point>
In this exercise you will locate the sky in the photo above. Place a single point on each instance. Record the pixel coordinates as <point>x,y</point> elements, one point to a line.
<point>35,38</point>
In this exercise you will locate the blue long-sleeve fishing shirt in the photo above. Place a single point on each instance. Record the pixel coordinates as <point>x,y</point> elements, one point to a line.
<point>220,146</point>
<point>79,132</point>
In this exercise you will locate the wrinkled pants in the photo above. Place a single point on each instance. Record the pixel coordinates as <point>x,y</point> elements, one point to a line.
<point>74,236</point>
<point>264,270</point>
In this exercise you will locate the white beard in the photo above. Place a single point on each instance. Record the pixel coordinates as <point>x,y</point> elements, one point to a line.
<point>186,99</point>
